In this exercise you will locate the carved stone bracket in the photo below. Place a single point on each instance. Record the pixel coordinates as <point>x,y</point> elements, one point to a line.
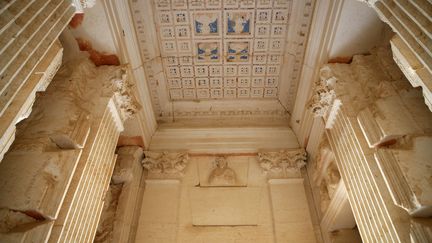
<point>165,163</point>
<point>324,102</point>
<point>284,163</point>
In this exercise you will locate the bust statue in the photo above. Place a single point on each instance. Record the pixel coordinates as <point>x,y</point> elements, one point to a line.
<point>222,174</point>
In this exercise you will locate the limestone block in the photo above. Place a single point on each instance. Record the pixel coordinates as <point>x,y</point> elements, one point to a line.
<point>75,137</point>
<point>324,159</point>
<point>414,70</point>
<point>339,215</point>
<point>23,102</point>
<point>420,231</point>
<point>292,220</point>
<point>224,206</point>
<point>387,120</point>
<point>261,233</point>
<point>411,23</point>
<point>36,182</point>
<point>412,99</point>
<point>407,174</point>
<point>159,212</point>
<point>346,235</point>
<point>37,232</point>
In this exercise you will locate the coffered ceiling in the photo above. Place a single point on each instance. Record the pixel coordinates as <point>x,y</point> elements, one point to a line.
<point>208,58</point>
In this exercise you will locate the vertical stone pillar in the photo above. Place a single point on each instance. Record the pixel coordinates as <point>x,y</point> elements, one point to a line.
<point>55,175</point>
<point>381,128</point>
<point>120,222</point>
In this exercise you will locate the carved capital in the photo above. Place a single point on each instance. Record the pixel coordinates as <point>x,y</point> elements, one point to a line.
<point>370,3</point>
<point>324,94</point>
<point>284,163</point>
<point>88,3</point>
<point>165,162</point>
<point>324,102</point>
<point>80,5</point>
<point>123,94</point>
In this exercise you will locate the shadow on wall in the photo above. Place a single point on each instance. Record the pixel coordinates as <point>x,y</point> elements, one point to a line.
<point>358,31</point>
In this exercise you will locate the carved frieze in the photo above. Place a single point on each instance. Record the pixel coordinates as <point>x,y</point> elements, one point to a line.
<point>165,163</point>
<point>283,163</point>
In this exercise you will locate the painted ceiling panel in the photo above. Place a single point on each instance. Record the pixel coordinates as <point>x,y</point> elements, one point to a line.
<point>239,52</point>
<point>222,49</point>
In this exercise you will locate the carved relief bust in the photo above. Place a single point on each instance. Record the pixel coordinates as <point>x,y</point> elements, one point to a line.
<point>222,174</point>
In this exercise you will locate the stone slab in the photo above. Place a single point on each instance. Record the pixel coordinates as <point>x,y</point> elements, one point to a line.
<point>158,216</point>
<point>224,206</point>
<point>292,220</point>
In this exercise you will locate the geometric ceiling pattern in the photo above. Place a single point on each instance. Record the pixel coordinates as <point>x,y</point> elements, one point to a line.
<point>222,49</point>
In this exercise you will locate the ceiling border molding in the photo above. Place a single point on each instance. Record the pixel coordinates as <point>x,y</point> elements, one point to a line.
<point>297,36</point>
